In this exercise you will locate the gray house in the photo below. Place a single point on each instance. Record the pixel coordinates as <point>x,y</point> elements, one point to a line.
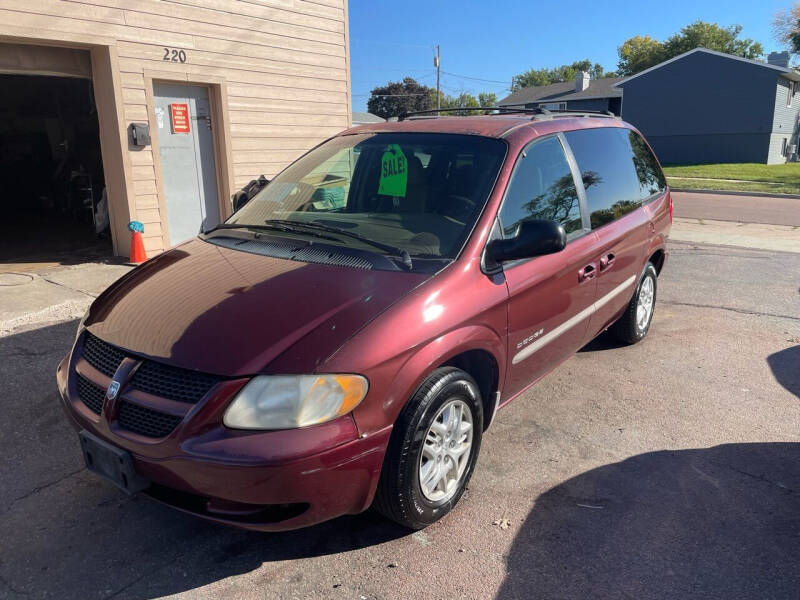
<point>582,94</point>
<point>708,107</point>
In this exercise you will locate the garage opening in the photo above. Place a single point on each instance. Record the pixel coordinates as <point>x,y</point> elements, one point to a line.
<point>54,208</point>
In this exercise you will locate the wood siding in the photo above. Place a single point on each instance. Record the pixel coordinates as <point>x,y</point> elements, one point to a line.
<point>280,69</point>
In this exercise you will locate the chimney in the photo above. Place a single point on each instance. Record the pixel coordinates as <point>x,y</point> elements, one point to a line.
<point>779,59</point>
<point>582,80</point>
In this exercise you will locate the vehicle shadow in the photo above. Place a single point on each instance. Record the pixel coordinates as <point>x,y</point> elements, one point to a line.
<point>67,534</point>
<point>720,522</point>
<point>785,367</point>
<point>604,341</point>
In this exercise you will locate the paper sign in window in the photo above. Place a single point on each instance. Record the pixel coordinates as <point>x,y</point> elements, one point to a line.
<point>394,172</point>
<point>179,114</point>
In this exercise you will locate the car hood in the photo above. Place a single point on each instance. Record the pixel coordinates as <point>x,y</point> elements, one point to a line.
<point>201,306</point>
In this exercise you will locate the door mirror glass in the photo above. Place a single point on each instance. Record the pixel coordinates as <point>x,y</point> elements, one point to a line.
<point>535,237</point>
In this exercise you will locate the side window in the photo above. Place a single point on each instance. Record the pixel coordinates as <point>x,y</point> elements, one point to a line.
<point>541,187</point>
<point>648,172</point>
<point>610,172</point>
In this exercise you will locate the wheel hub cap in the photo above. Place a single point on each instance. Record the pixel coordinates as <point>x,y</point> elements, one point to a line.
<point>644,306</point>
<point>445,451</point>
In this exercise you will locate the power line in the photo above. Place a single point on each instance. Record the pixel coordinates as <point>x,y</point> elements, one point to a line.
<point>390,95</point>
<point>474,78</point>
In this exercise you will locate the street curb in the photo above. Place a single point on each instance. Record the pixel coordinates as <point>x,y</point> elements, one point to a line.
<point>735,193</point>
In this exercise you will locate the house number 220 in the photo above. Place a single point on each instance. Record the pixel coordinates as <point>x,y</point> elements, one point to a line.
<point>174,55</point>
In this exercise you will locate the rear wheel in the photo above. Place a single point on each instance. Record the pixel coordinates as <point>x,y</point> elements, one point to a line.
<point>634,324</point>
<point>432,451</point>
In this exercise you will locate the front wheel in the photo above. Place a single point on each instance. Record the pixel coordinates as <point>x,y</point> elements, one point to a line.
<point>432,451</point>
<point>634,323</point>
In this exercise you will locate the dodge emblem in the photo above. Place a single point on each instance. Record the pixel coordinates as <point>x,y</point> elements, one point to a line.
<point>112,390</point>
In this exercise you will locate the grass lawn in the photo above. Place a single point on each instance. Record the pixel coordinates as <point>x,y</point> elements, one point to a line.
<point>751,177</point>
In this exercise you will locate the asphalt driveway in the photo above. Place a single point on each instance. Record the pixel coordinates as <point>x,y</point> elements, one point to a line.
<point>670,469</point>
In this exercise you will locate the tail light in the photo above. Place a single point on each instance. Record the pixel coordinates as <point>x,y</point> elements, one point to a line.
<point>670,207</point>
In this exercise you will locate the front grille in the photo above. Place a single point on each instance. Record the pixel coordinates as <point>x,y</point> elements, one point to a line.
<point>145,421</point>
<point>91,395</point>
<point>174,383</point>
<point>102,356</point>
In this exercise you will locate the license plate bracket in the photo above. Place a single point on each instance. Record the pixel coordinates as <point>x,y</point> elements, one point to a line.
<point>111,463</point>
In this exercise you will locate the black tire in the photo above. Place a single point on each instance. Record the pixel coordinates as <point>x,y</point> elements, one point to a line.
<point>626,329</point>
<point>399,496</point>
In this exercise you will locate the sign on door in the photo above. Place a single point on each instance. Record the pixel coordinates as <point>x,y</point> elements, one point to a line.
<point>179,114</point>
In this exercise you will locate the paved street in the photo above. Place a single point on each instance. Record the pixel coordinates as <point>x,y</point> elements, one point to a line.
<point>744,209</point>
<point>665,470</point>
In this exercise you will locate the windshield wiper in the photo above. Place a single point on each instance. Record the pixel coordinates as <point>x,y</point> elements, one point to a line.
<point>394,251</point>
<point>276,227</point>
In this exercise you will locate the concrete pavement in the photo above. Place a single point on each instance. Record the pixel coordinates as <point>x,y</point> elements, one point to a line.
<point>52,294</point>
<point>780,238</point>
<point>769,223</point>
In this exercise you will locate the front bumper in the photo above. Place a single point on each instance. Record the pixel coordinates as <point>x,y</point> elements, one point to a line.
<point>268,481</point>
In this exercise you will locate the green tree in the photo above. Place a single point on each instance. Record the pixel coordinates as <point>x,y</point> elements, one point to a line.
<point>639,53</point>
<point>462,100</point>
<point>487,99</point>
<point>534,77</point>
<point>710,35</point>
<point>398,97</point>
<point>642,52</point>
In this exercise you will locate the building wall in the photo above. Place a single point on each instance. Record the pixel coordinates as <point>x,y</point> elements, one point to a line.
<point>704,108</point>
<point>785,122</point>
<point>278,71</point>
<point>709,149</point>
<point>600,104</point>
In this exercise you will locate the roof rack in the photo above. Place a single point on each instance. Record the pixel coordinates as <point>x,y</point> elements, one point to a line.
<point>502,110</point>
<point>488,109</point>
<point>566,112</point>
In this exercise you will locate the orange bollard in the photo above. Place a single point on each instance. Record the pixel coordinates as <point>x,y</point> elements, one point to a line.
<point>137,244</point>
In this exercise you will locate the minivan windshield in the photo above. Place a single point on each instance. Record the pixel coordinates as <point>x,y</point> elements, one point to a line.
<point>414,194</point>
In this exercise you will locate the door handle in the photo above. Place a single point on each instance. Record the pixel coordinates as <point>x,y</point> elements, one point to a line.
<point>586,273</point>
<point>606,261</point>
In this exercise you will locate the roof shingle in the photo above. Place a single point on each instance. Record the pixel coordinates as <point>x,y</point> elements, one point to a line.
<point>563,91</point>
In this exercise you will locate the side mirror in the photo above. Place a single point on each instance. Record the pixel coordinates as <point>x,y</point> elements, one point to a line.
<point>533,238</point>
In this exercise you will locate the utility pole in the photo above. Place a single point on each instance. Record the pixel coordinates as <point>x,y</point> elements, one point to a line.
<point>437,62</point>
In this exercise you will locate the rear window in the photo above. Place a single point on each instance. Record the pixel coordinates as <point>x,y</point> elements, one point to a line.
<point>651,178</point>
<point>618,170</point>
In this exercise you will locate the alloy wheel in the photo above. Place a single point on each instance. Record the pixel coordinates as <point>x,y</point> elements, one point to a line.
<point>644,306</point>
<point>446,451</point>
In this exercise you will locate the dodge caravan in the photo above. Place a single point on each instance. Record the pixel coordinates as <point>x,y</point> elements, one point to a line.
<point>347,336</point>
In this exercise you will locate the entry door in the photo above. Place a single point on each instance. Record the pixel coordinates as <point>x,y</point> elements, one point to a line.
<point>619,171</point>
<point>550,297</point>
<point>187,159</point>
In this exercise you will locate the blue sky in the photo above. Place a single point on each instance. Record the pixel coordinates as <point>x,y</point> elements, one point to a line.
<point>499,39</point>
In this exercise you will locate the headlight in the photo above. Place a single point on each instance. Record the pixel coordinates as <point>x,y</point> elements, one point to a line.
<point>289,401</point>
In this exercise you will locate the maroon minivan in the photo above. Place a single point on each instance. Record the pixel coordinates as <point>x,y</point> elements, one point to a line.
<point>347,336</point>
